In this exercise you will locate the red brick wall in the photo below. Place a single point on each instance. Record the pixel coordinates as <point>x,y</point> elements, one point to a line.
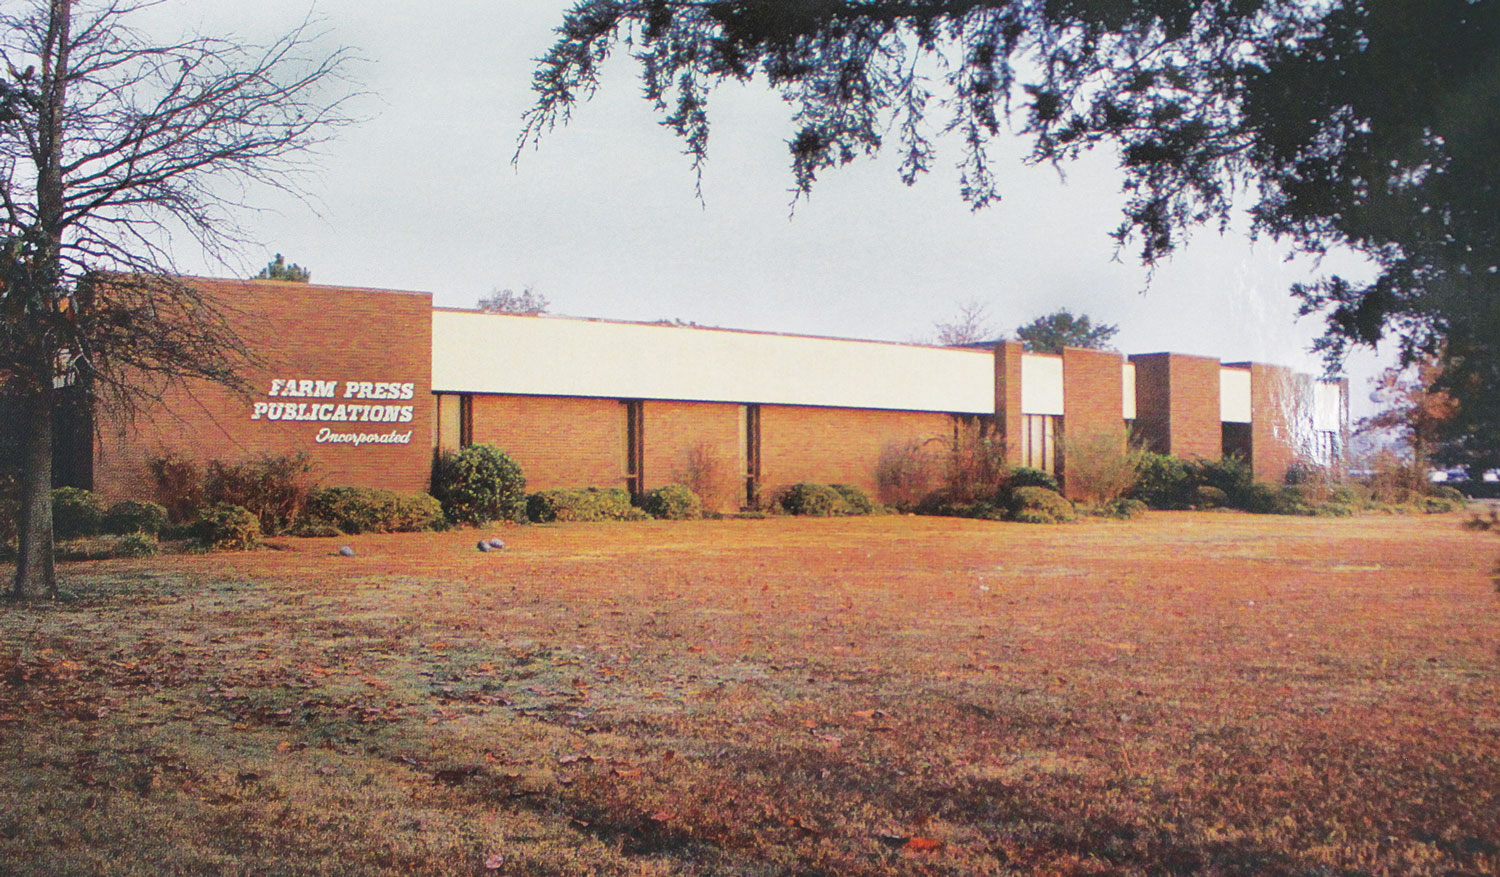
<point>558,441</point>
<point>703,438</point>
<point>836,445</point>
<point>1274,410</point>
<point>1008,397</point>
<point>1093,415</point>
<point>300,332</point>
<point>1177,404</point>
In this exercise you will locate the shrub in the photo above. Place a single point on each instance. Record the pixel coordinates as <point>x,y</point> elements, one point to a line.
<point>76,512</point>
<point>581,504</point>
<point>179,486</point>
<point>675,502</point>
<point>904,474</point>
<point>1231,474</point>
<point>273,488</point>
<point>1026,476</point>
<point>479,484</point>
<point>857,500</point>
<point>1162,481</point>
<point>976,466</point>
<point>228,528</point>
<point>1123,508</point>
<point>1038,505</point>
<point>311,529</point>
<point>138,544</point>
<point>1101,467</point>
<point>813,500</point>
<point>135,516</point>
<point>1439,503</point>
<point>1206,496</point>
<point>706,473</point>
<point>1444,491</point>
<point>372,510</point>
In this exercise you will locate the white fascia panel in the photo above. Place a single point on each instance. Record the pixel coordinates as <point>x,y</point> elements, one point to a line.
<point>1328,406</point>
<point>1041,384</point>
<point>1127,384</point>
<point>476,352</point>
<point>1234,395</point>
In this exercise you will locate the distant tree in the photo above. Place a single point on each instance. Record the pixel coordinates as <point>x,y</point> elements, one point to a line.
<point>114,149</point>
<point>1054,331</point>
<point>278,269</point>
<point>528,302</point>
<point>1413,409</point>
<point>971,326</point>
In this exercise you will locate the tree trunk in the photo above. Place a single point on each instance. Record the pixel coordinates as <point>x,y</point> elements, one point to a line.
<point>36,574</point>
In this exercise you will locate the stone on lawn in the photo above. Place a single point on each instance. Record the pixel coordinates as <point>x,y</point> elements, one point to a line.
<point>483,545</point>
<point>497,543</point>
<point>346,551</point>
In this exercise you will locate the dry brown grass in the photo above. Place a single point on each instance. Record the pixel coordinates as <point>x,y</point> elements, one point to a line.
<point>1184,693</point>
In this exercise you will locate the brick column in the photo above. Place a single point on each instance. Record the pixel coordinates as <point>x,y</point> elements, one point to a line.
<point>1092,413</point>
<point>1008,398</point>
<point>1177,404</point>
<point>1278,404</point>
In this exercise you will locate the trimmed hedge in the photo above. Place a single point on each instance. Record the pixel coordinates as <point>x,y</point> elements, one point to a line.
<point>227,528</point>
<point>135,516</point>
<point>857,500</point>
<point>675,502</point>
<point>479,484</point>
<point>1038,505</point>
<point>581,504</point>
<point>76,512</point>
<point>1025,476</point>
<point>138,544</point>
<point>813,500</point>
<point>372,510</point>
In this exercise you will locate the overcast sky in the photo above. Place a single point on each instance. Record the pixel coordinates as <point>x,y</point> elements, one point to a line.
<point>604,221</point>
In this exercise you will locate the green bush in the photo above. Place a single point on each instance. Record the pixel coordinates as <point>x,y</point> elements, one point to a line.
<point>273,488</point>
<point>1162,482</point>
<point>857,500</point>
<point>1123,508</point>
<point>135,516</point>
<point>372,510</point>
<point>138,544</point>
<point>479,484</point>
<point>76,512</point>
<point>1439,503</point>
<point>227,528</point>
<point>1038,505</point>
<point>311,529</point>
<point>581,504</point>
<point>813,500</point>
<point>1230,474</point>
<point>1026,476</point>
<point>675,502</point>
<point>1206,496</point>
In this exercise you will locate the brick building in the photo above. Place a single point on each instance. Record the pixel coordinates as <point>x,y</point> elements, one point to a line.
<point>368,383</point>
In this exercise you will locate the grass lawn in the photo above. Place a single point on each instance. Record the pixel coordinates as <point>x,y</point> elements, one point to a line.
<point>1184,693</point>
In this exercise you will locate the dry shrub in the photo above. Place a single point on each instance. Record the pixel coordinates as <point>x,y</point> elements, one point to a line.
<point>976,467</point>
<point>1101,467</point>
<point>707,473</point>
<point>178,484</point>
<point>274,488</point>
<point>1393,480</point>
<point>905,473</point>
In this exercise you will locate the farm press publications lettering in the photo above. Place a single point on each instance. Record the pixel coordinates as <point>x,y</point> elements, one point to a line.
<point>360,402</point>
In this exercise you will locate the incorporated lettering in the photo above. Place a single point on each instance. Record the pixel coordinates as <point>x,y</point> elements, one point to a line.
<point>327,436</point>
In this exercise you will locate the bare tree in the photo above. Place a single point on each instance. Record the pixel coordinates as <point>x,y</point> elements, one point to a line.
<point>971,326</point>
<point>113,148</point>
<point>528,302</point>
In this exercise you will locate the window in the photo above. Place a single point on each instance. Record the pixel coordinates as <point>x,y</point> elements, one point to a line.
<point>1039,437</point>
<point>465,420</point>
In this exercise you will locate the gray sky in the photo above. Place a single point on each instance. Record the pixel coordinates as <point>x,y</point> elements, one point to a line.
<point>604,221</point>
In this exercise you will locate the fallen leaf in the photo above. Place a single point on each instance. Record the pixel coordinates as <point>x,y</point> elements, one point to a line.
<point>923,844</point>
<point>661,816</point>
<point>494,863</point>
